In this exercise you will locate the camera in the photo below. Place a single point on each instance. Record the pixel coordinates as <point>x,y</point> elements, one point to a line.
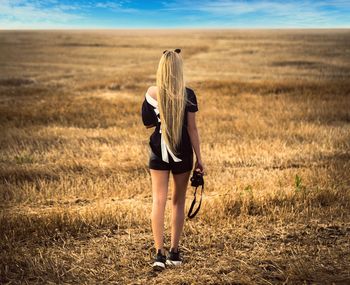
<point>197,179</point>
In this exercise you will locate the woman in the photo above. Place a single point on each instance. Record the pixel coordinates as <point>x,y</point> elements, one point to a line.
<point>170,107</point>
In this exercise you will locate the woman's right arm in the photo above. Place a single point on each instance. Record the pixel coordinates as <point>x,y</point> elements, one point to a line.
<point>194,136</point>
<point>149,117</point>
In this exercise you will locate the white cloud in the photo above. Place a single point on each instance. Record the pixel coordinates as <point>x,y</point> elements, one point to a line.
<point>116,7</point>
<point>286,12</point>
<point>51,13</point>
<point>35,12</point>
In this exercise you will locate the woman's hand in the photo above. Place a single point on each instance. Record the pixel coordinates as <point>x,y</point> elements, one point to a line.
<point>199,166</point>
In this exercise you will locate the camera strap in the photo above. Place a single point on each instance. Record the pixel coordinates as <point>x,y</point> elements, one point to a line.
<point>194,202</point>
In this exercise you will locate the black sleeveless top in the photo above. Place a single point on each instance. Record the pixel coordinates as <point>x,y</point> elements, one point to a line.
<point>150,116</point>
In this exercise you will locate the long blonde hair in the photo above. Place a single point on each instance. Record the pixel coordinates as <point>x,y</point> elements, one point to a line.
<point>171,97</point>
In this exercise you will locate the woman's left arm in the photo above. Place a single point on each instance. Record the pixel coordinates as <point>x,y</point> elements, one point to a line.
<point>149,117</point>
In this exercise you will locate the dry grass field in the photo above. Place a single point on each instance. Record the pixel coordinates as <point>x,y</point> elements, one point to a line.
<point>274,125</point>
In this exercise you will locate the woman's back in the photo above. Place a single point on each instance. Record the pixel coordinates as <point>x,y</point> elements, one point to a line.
<point>150,116</point>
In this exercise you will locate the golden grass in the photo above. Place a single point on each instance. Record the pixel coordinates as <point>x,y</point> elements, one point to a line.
<point>275,137</point>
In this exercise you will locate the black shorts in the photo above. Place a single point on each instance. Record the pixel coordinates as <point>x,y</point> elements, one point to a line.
<point>156,162</point>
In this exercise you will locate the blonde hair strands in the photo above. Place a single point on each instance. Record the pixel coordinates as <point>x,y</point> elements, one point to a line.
<point>171,97</point>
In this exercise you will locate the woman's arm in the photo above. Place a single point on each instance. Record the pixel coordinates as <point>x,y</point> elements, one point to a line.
<point>193,133</point>
<point>149,117</point>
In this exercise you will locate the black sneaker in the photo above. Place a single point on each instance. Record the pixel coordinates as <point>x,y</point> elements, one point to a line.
<point>159,261</point>
<point>174,258</point>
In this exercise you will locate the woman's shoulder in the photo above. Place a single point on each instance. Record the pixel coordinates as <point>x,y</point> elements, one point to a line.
<point>152,91</point>
<point>192,104</point>
<point>190,93</point>
<point>189,89</point>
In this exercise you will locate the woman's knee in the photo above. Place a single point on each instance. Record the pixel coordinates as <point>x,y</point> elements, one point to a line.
<point>178,199</point>
<point>159,201</point>
<point>179,194</point>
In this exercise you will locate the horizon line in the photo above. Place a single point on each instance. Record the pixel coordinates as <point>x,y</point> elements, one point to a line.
<point>180,28</point>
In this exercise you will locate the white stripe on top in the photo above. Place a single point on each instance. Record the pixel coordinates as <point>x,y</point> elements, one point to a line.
<point>164,146</point>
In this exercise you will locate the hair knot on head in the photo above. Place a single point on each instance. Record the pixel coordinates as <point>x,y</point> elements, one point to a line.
<point>177,50</point>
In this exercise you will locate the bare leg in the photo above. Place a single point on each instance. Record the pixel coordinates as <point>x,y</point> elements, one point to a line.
<point>178,206</point>
<point>160,179</point>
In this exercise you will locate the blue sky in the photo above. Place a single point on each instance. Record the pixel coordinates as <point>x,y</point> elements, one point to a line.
<point>48,14</point>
